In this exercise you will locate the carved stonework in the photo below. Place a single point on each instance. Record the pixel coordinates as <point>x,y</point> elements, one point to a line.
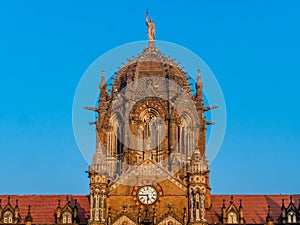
<point>150,127</point>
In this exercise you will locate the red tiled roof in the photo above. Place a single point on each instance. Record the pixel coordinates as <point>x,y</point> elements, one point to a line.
<point>43,207</point>
<point>255,206</point>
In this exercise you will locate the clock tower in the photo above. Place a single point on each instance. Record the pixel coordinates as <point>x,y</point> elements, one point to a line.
<point>150,163</point>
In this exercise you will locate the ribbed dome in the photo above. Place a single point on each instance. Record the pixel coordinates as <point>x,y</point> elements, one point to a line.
<point>150,63</point>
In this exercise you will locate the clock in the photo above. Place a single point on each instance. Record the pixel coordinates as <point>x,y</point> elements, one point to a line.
<point>147,195</point>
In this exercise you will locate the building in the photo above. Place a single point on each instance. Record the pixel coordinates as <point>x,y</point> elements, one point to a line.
<point>150,163</point>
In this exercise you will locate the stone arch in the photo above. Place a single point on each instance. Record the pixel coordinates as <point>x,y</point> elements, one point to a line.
<point>186,135</point>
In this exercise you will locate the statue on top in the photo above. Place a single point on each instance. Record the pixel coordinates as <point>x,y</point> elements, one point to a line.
<point>151,28</point>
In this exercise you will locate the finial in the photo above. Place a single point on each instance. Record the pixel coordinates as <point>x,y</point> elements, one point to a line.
<point>170,207</point>
<point>28,218</point>
<point>282,207</point>
<point>231,199</point>
<point>102,82</point>
<point>0,203</point>
<point>241,206</point>
<point>291,198</point>
<point>124,208</point>
<point>17,202</point>
<point>223,206</point>
<point>199,81</point>
<point>75,202</point>
<point>58,204</point>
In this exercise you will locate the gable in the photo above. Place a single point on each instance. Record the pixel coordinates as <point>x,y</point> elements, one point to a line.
<point>169,188</point>
<point>147,170</point>
<point>170,220</point>
<point>123,220</point>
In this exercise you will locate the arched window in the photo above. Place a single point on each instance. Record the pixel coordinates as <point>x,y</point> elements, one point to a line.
<point>116,141</point>
<point>8,217</point>
<point>292,218</point>
<point>186,136</point>
<point>151,132</point>
<point>67,218</point>
<point>116,136</point>
<point>232,218</point>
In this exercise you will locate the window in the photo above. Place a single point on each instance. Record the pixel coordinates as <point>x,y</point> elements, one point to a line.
<point>7,217</point>
<point>232,218</point>
<point>292,217</point>
<point>67,218</point>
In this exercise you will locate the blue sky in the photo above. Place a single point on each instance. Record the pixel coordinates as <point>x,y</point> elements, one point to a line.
<point>251,46</point>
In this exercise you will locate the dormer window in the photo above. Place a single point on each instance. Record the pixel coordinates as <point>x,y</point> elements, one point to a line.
<point>8,217</point>
<point>292,217</point>
<point>232,218</point>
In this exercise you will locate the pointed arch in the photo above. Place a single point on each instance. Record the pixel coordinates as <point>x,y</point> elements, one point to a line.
<point>186,135</point>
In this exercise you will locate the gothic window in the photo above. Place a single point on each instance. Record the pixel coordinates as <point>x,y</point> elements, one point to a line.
<point>186,136</point>
<point>292,218</point>
<point>232,218</point>
<point>67,218</point>
<point>151,132</point>
<point>8,217</point>
<point>116,136</point>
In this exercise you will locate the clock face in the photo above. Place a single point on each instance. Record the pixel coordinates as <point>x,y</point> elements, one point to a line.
<point>147,195</point>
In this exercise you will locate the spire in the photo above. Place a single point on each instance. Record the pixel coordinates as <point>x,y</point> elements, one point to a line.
<point>224,214</point>
<point>67,200</point>
<point>28,218</point>
<point>102,82</point>
<point>231,199</point>
<point>199,86</point>
<point>75,204</point>
<point>283,212</point>
<point>223,206</point>
<point>241,206</point>
<point>282,206</point>
<point>125,208</point>
<point>75,212</point>
<point>103,89</point>
<point>170,208</point>
<point>17,206</point>
<point>199,81</point>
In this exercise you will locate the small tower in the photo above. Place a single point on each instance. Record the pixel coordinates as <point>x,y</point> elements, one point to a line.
<point>283,212</point>
<point>241,213</point>
<point>98,189</point>
<point>269,217</point>
<point>28,218</point>
<point>199,198</point>
<point>17,214</point>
